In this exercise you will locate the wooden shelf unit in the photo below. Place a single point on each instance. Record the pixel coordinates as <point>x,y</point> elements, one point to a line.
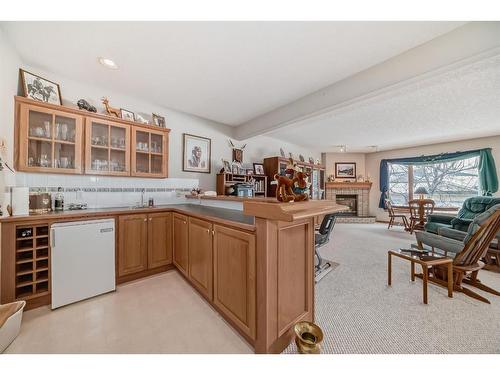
<point>32,261</point>
<point>277,165</point>
<point>227,179</point>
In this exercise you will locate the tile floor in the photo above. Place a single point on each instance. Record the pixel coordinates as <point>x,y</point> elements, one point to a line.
<point>160,314</point>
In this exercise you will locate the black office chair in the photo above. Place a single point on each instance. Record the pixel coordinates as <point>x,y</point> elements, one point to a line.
<point>321,238</point>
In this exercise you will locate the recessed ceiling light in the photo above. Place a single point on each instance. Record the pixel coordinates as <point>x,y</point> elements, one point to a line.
<point>343,148</point>
<point>108,63</point>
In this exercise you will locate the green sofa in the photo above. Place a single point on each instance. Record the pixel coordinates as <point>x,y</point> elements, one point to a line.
<point>470,209</point>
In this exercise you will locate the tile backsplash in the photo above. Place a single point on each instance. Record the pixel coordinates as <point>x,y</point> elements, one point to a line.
<point>104,191</point>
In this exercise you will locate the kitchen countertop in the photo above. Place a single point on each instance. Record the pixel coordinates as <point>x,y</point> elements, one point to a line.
<point>216,214</point>
<point>232,198</point>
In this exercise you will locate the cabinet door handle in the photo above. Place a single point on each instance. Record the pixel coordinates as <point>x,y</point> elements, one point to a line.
<point>150,218</point>
<point>145,219</point>
<point>213,232</point>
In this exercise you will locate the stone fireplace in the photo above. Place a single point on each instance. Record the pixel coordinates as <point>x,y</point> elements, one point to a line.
<point>355,195</point>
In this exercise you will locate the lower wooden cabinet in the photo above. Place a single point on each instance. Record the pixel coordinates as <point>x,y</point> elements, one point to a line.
<point>234,277</point>
<point>145,242</point>
<point>132,244</point>
<point>159,239</point>
<point>200,256</point>
<point>180,235</point>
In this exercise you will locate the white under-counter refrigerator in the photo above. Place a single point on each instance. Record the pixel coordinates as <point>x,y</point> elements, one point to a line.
<point>82,260</point>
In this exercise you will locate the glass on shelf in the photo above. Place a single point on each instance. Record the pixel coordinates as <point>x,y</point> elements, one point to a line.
<point>142,163</point>
<point>99,135</point>
<point>64,156</point>
<point>156,163</point>
<point>117,161</point>
<point>65,129</point>
<point>99,159</point>
<point>142,141</point>
<point>40,125</point>
<point>39,153</point>
<point>156,143</point>
<point>118,136</point>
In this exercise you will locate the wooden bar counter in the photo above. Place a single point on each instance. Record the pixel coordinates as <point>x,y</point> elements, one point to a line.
<point>254,267</point>
<point>284,267</point>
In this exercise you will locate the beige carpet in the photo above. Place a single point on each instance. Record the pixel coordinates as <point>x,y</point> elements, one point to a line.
<point>359,313</point>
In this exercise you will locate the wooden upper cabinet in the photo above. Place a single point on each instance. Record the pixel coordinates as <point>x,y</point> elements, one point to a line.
<point>180,250</point>
<point>200,256</point>
<point>107,147</point>
<point>234,277</point>
<point>48,140</point>
<point>57,139</point>
<point>159,239</point>
<point>149,152</point>
<point>132,244</point>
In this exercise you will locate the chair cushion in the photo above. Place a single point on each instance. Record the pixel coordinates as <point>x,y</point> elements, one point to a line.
<point>440,242</point>
<point>476,205</point>
<point>434,227</point>
<point>479,220</point>
<point>452,233</point>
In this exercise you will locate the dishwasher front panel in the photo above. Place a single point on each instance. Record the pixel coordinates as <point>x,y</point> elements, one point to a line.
<point>82,260</point>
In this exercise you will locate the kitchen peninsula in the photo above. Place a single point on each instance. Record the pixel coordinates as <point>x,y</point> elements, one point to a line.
<point>255,266</point>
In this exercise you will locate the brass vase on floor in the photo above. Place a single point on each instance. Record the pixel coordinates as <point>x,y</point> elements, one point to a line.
<point>308,337</point>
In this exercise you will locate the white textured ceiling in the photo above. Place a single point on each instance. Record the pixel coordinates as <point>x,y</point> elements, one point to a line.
<point>229,72</point>
<point>459,104</point>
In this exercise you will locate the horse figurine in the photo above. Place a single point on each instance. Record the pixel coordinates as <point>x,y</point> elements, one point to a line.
<point>110,110</point>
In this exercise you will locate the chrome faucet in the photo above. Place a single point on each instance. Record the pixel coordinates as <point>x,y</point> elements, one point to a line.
<point>142,197</point>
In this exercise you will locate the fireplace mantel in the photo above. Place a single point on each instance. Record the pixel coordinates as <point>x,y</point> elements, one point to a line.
<point>349,185</point>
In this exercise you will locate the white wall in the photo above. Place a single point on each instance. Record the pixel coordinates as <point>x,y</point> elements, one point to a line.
<point>72,90</point>
<point>330,158</point>
<point>9,65</point>
<point>373,162</point>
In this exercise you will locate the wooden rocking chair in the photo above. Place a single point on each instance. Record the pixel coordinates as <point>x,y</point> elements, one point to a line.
<point>467,264</point>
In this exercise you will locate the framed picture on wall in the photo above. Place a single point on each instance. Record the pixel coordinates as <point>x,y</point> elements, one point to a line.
<point>196,153</point>
<point>345,170</point>
<point>41,89</point>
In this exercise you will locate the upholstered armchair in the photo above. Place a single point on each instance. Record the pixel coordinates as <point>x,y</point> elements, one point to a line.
<point>470,209</point>
<point>452,240</point>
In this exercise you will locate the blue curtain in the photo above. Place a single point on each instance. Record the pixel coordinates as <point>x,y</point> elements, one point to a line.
<point>384,181</point>
<point>488,179</point>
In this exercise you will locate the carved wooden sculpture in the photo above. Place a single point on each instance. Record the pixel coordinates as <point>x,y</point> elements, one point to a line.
<point>110,110</point>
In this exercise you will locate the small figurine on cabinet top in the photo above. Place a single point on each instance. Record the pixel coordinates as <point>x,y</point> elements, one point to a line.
<point>83,104</point>
<point>110,110</point>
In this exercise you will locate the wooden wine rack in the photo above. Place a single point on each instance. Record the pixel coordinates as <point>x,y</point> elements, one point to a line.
<point>32,261</point>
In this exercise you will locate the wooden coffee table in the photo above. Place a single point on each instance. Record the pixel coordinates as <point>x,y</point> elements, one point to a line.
<point>425,264</point>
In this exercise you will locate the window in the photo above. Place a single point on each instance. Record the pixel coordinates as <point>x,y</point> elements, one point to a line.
<point>448,183</point>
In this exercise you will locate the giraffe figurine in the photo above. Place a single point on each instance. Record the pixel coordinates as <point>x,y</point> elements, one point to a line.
<point>110,110</point>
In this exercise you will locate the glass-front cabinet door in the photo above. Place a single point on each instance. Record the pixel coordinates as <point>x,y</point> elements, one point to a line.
<point>107,149</point>
<point>49,140</point>
<point>149,152</point>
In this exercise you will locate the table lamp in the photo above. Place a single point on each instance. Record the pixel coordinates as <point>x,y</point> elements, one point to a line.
<point>421,191</point>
